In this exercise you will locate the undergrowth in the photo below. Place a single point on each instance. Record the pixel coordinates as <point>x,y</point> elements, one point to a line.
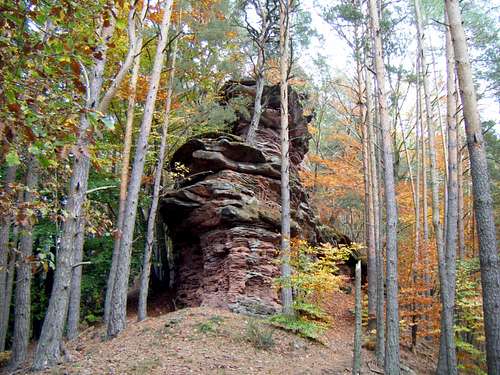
<point>305,328</point>
<point>259,334</point>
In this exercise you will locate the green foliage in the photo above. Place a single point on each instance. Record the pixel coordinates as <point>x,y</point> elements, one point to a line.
<point>210,325</point>
<point>259,334</point>
<point>300,326</point>
<point>469,325</point>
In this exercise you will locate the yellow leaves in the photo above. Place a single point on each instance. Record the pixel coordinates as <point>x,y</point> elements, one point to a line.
<point>231,34</point>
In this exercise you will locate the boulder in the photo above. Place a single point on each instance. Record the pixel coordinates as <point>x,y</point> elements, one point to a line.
<point>224,215</point>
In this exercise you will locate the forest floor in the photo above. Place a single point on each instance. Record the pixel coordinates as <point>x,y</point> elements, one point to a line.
<point>212,341</point>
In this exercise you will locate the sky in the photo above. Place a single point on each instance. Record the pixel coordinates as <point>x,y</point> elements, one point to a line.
<point>337,53</point>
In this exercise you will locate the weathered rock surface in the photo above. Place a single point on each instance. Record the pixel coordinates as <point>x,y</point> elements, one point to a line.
<point>224,216</point>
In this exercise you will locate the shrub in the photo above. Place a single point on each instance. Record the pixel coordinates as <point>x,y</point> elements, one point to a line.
<point>259,335</point>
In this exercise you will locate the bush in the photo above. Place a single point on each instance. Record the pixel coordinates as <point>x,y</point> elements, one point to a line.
<point>259,335</point>
<point>305,328</point>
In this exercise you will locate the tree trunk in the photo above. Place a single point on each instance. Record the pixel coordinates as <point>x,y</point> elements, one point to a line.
<point>76,282</point>
<point>22,304</point>
<point>379,258</point>
<point>391,363</point>
<point>452,207</point>
<point>48,349</point>
<point>286,289</point>
<point>483,204</point>
<point>368,211</point>
<point>259,74</point>
<point>461,205</point>
<point>127,146</point>
<point>356,361</point>
<point>118,308</point>
<point>5,254</point>
<point>150,235</point>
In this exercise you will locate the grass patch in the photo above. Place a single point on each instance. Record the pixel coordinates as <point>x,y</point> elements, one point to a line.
<point>210,325</point>
<point>145,366</point>
<point>260,335</point>
<point>302,327</point>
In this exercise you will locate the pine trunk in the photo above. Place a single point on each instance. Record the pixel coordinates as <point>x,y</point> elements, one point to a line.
<point>286,289</point>
<point>118,307</point>
<point>379,258</point>
<point>392,358</point>
<point>356,361</point>
<point>447,290</point>
<point>483,203</point>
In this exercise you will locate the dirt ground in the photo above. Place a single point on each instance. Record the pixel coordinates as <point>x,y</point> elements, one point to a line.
<point>211,341</point>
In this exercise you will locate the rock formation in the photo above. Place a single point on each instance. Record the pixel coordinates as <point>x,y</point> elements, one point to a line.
<point>224,215</point>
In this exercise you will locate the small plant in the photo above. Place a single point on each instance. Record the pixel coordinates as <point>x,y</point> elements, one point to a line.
<point>305,328</point>
<point>259,335</point>
<point>145,366</point>
<point>210,325</point>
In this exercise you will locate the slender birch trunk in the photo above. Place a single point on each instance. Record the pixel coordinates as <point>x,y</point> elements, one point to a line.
<point>5,255</point>
<point>118,308</point>
<point>286,290</point>
<point>22,301</point>
<point>483,203</point>
<point>127,146</point>
<point>150,235</point>
<point>392,358</point>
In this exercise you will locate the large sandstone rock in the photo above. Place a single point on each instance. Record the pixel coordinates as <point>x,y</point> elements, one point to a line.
<point>224,216</point>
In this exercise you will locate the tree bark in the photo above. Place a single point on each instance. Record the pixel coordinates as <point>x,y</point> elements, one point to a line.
<point>150,235</point>
<point>356,361</point>
<point>48,350</point>
<point>452,196</point>
<point>391,363</point>
<point>286,289</point>
<point>5,254</point>
<point>368,211</point>
<point>118,308</point>
<point>22,304</point>
<point>259,72</point>
<point>127,146</point>
<point>76,282</point>
<point>392,358</point>
<point>379,258</point>
<point>483,203</point>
